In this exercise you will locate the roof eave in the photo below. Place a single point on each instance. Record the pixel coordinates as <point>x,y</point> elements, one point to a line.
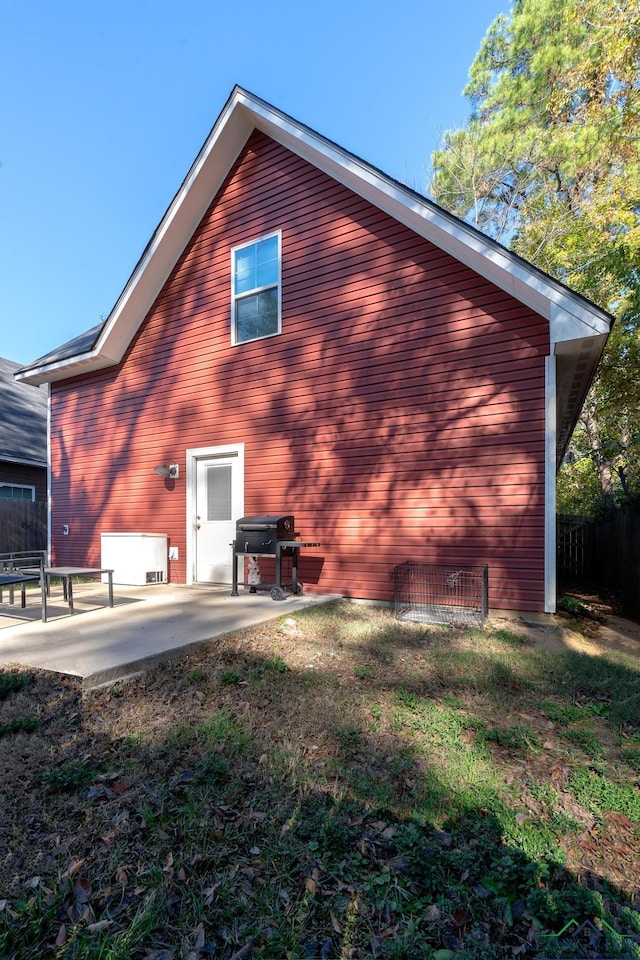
<point>22,461</point>
<point>569,315</point>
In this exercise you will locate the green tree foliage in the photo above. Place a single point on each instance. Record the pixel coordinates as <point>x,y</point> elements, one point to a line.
<point>549,164</point>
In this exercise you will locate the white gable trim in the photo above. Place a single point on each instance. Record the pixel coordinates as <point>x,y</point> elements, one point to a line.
<point>569,315</point>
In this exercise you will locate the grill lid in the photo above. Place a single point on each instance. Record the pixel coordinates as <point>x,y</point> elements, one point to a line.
<point>283,524</point>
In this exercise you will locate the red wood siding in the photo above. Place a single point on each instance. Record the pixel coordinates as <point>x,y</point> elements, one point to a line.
<point>399,415</point>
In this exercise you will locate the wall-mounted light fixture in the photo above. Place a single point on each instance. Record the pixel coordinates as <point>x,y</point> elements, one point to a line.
<point>168,470</point>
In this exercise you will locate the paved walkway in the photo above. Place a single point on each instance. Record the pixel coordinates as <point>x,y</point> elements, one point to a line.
<point>147,624</point>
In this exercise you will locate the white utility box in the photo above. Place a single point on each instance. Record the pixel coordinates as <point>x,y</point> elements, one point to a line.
<point>135,558</point>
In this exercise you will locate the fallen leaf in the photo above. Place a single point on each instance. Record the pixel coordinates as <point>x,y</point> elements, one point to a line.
<point>385,913</point>
<point>244,952</point>
<point>82,890</point>
<point>444,839</point>
<point>461,916</point>
<point>310,884</point>
<point>199,938</point>
<point>335,923</point>
<point>61,939</point>
<point>99,926</point>
<point>209,894</point>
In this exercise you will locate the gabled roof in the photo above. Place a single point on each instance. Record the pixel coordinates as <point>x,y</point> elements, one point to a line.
<point>23,423</point>
<point>578,329</point>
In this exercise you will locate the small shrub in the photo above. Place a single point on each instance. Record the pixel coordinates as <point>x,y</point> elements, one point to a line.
<point>363,673</point>
<point>563,713</point>
<point>587,741</point>
<point>517,737</point>
<point>570,605</point>
<point>19,725</point>
<point>277,664</point>
<point>511,639</point>
<point>197,675</point>
<point>12,682</point>
<point>69,775</point>
<point>406,698</point>
<point>230,677</point>
<point>632,758</point>
<point>349,736</point>
<point>598,794</point>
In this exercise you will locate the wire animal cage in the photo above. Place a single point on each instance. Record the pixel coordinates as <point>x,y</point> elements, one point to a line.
<point>441,593</point>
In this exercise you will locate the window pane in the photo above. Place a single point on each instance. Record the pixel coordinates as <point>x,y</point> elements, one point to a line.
<point>268,311</point>
<point>257,316</point>
<point>245,275</point>
<point>219,492</point>
<point>267,262</point>
<point>11,492</point>
<point>246,319</point>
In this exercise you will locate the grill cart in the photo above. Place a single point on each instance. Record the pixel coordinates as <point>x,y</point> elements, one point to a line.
<point>268,536</point>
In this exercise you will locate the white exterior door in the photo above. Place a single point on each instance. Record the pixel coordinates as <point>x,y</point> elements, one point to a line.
<point>219,499</point>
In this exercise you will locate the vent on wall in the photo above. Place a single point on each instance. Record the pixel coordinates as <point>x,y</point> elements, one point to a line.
<point>155,576</point>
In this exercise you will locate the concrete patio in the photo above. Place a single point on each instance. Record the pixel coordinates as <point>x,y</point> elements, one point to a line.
<point>101,644</point>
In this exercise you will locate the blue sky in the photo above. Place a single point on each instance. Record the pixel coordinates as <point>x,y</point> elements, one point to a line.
<point>104,106</point>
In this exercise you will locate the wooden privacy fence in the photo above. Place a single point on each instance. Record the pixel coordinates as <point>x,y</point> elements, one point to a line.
<point>575,536</point>
<point>604,553</point>
<point>23,525</point>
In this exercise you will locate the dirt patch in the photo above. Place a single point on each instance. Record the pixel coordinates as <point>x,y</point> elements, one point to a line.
<point>597,629</point>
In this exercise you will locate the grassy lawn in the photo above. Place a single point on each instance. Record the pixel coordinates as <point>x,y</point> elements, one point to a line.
<point>336,785</point>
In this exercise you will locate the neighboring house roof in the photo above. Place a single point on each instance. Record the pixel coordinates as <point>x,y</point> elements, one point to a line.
<point>23,419</point>
<point>578,329</point>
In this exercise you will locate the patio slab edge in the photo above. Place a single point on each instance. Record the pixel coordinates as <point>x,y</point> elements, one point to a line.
<point>122,672</point>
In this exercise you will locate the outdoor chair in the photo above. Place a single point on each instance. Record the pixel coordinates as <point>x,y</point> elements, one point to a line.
<point>19,568</point>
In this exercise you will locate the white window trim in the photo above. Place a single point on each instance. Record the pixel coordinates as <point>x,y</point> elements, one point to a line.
<point>234,298</point>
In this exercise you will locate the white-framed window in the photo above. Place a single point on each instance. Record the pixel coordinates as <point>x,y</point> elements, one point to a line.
<point>255,289</point>
<point>17,491</point>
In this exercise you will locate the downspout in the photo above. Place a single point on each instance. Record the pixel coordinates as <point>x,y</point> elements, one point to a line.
<point>49,557</point>
<point>550,486</point>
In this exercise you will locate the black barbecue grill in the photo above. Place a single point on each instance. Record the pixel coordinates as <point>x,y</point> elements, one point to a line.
<point>269,536</point>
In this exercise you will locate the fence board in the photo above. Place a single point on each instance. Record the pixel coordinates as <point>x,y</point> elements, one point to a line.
<point>604,554</point>
<point>23,525</point>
